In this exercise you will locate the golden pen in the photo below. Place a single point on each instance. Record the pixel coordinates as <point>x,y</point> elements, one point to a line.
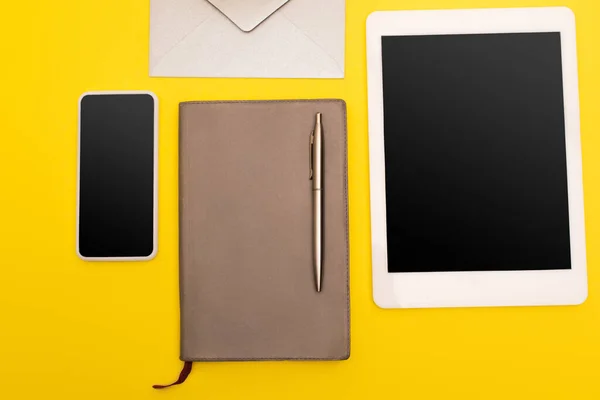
<point>316,175</point>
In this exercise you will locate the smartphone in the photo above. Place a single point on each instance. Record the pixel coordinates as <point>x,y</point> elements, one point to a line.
<point>117,176</point>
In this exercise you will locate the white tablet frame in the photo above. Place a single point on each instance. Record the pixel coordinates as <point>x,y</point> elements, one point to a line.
<point>474,289</point>
<point>155,211</point>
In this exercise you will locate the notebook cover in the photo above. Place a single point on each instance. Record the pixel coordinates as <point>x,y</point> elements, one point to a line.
<point>246,273</point>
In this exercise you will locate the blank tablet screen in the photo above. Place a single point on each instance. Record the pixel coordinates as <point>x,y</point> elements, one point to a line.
<point>476,172</point>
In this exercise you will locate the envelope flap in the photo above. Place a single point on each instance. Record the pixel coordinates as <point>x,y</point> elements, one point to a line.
<point>247,14</point>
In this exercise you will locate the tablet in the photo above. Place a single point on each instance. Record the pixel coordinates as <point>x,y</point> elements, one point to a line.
<point>475,158</point>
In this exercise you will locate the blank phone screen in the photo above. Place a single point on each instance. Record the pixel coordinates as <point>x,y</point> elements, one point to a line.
<point>476,169</point>
<point>116,176</point>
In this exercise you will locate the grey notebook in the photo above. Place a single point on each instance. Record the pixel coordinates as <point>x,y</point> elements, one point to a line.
<point>246,272</point>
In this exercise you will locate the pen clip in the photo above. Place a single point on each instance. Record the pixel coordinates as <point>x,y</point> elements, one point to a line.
<point>310,155</point>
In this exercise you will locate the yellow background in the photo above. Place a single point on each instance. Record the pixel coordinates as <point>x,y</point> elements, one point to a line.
<point>76,330</point>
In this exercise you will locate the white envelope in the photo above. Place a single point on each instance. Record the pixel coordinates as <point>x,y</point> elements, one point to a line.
<point>247,38</point>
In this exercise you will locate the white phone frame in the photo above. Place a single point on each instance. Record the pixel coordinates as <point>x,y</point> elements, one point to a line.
<point>155,199</point>
<point>476,289</point>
